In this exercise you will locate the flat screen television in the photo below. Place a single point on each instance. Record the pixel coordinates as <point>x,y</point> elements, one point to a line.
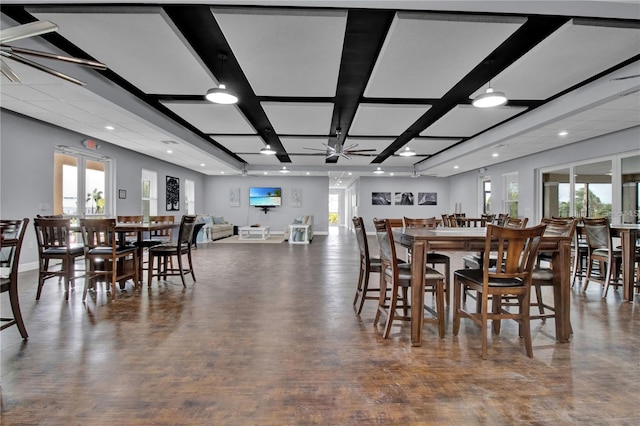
<point>265,196</point>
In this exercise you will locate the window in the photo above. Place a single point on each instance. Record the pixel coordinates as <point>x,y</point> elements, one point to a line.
<point>510,196</point>
<point>630,189</point>
<point>81,184</point>
<point>190,196</point>
<point>556,201</point>
<point>485,185</point>
<point>149,194</point>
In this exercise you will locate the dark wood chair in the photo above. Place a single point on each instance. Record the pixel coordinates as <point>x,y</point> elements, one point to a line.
<point>516,223</point>
<point>56,242</point>
<point>434,258</point>
<point>600,249</point>
<point>160,236</point>
<point>166,251</point>
<point>11,238</point>
<point>131,238</point>
<point>543,276</point>
<point>105,257</point>
<point>515,254</point>
<point>399,277</point>
<point>368,265</point>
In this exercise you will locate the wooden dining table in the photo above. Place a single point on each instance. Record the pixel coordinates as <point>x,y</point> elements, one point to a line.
<point>423,240</point>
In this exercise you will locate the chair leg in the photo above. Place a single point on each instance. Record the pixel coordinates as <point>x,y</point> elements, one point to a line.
<point>607,279</point>
<point>392,311</point>
<point>539,300</point>
<point>114,275</point>
<point>440,301</point>
<point>525,324</point>
<point>17,314</point>
<point>193,274</point>
<point>150,269</point>
<point>364,289</point>
<point>484,323</point>
<point>457,304</point>
<point>382,299</point>
<point>359,287</point>
<point>588,275</point>
<point>184,284</point>
<point>43,267</point>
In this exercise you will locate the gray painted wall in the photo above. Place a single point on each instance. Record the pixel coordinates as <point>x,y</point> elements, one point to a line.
<point>315,201</point>
<point>26,173</point>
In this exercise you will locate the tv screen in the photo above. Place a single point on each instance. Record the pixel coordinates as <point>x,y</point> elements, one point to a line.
<point>261,196</point>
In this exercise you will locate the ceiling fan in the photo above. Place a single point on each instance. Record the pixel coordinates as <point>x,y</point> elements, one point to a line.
<point>15,53</point>
<point>339,150</point>
<point>625,77</point>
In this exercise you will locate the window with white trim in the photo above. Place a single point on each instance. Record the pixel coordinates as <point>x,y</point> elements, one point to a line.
<point>149,194</point>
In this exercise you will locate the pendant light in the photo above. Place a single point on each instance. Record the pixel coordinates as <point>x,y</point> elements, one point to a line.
<point>267,150</point>
<point>221,95</point>
<point>489,99</point>
<point>407,152</point>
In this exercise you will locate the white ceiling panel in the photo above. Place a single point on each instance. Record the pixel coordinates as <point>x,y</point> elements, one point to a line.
<point>261,159</point>
<point>565,58</point>
<point>299,118</point>
<point>423,146</point>
<point>212,118</point>
<point>240,144</point>
<point>396,160</point>
<point>385,120</point>
<point>308,160</point>
<point>139,44</point>
<point>288,53</point>
<point>299,145</point>
<point>466,120</point>
<point>424,55</point>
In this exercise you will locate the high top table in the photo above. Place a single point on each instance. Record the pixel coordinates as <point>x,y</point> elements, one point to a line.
<point>423,240</point>
<point>628,233</point>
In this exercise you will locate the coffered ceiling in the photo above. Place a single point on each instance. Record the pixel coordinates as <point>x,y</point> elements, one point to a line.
<point>383,75</point>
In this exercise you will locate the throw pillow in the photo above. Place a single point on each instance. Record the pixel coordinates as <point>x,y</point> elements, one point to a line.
<point>298,220</point>
<point>218,220</point>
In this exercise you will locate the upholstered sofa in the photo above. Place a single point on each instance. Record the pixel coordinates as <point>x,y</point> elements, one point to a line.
<point>215,227</point>
<point>297,235</point>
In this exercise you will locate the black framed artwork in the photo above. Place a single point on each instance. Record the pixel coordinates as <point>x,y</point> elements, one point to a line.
<point>122,194</point>
<point>427,198</point>
<point>173,193</point>
<point>381,198</point>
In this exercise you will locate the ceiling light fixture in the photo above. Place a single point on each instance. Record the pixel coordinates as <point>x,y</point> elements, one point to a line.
<point>378,171</point>
<point>489,99</point>
<point>284,170</point>
<point>221,95</point>
<point>267,150</point>
<point>408,152</point>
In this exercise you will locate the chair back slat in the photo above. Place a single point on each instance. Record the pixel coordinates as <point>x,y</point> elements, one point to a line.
<point>597,232</point>
<point>99,233</point>
<point>12,229</point>
<point>52,233</point>
<point>361,238</point>
<point>430,222</point>
<point>516,252</point>
<point>185,235</point>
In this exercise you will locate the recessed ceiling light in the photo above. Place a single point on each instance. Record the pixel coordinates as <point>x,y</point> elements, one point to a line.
<point>222,172</point>
<point>563,133</point>
<point>202,164</point>
<point>391,174</point>
<point>349,173</point>
<point>109,127</point>
<point>456,167</point>
<point>495,154</point>
<point>169,151</point>
<point>378,171</point>
<point>308,173</point>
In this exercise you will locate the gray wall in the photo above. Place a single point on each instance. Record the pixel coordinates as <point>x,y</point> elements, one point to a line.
<point>315,201</point>
<point>26,173</point>
<point>465,186</point>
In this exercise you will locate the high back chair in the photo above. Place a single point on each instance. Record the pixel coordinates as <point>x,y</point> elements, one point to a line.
<point>55,242</point>
<point>399,277</point>
<point>368,264</point>
<point>501,219</point>
<point>131,237</point>
<point>515,253</point>
<point>11,238</point>
<point>544,276</point>
<point>161,235</point>
<point>516,223</point>
<point>433,258</point>
<point>105,257</point>
<point>600,249</point>
<point>166,251</point>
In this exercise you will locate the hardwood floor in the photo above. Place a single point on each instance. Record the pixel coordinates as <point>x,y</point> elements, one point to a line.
<point>268,336</point>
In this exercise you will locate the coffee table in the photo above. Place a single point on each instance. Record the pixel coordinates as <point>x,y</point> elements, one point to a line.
<point>253,232</point>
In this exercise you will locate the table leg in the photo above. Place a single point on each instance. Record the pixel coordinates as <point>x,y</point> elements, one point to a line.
<point>418,265</point>
<point>628,240</point>
<point>562,291</point>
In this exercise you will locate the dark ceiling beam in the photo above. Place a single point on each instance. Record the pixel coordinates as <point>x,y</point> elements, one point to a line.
<point>198,25</point>
<point>521,41</point>
<point>364,36</point>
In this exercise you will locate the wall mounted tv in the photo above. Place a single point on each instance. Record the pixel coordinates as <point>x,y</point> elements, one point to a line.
<point>265,196</point>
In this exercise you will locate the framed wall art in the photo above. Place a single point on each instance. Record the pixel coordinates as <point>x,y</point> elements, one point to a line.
<point>173,193</point>
<point>234,197</point>
<point>296,197</point>
<point>381,198</point>
<point>404,199</point>
<point>427,198</point>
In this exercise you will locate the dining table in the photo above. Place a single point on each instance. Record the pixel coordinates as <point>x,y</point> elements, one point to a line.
<point>470,239</point>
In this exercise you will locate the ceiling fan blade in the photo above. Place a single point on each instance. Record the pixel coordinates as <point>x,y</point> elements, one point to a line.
<point>27,30</point>
<point>8,72</point>
<point>36,65</point>
<point>77,61</point>
<point>351,151</point>
<point>625,77</point>
<point>316,149</point>
<point>342,154</point>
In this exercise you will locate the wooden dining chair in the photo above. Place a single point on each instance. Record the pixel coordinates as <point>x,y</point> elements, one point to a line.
<point>543,276</point>
<point>11,239</point>
<point>174,249</point>
<point>434,258</point>
<point>56,243</point>
<point>516,223</point>
<point>105,257</point>
<point>400,279</point>
<point>131,238</point>
<point>600,249</point>
<point>368,264</point>
<point>516,251</point>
